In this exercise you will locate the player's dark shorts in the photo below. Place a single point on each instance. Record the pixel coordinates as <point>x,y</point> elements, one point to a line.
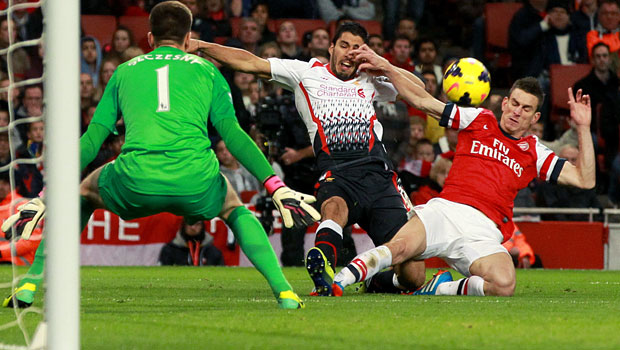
<point>372,197</point>
<point>131,205</point>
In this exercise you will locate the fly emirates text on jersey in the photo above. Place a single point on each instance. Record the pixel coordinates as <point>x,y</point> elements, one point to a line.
<point>499,151</point>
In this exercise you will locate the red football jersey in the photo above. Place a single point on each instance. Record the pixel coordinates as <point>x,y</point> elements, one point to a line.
<point>490,166</point>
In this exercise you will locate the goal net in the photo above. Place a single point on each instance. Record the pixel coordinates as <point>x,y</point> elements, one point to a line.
<point>39,94</point>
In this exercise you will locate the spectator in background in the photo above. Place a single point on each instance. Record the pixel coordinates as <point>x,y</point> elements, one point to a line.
<point>287,39</point>
<point>525,37</point>
<point>260,13</point>
<point>585,18</point>
<point>5,150</point>
<point>426,51</point>
<point>238,176</point>
<point>131,52</point>
<point>431,187</point>
<point>110,149</point>
<point>29,23</point>
<point>391,13</point>
<point>433,131</point>
<point>135,8</point>
<point>242,81</point>
<point>408,28</point>
<point>87,92</point>
<point>607,31</point>
<point>447,143</point>
<point>20,61</point>
<point>199,23</point>
<point>4,122</point>
<point>36,62</point>
<point>400,53</point>
<point>331,10</point>
<point>249,36</point>
<point>558,196</point>
<point>217,17</point>
<point>4,96</point>
<point>317,45</point>
<point>395,120</point>
<point>32,106</point>
<point>603,87</point>
<point>191,246</point>
<point>416,166</point>
<point>24,249</point>
<point>375,42</point>
<point>293,9</point>
<point>108,66</point>
<point>417,125</point>
<point>521,252</point>
<point>91,58</point>
<point>121,40</point>
<point>31,175</point>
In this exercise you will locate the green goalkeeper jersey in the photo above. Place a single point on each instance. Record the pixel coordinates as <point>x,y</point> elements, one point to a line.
<point>165,98</point>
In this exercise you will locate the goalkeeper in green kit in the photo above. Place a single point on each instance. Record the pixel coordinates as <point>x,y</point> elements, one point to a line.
<point>167,164</point>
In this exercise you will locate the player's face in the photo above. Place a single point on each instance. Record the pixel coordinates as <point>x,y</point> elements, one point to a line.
<point>342,63</point>
<point>519,112</point>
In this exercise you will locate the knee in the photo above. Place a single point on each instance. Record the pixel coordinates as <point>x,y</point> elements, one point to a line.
<point>412,280</point>
<point>335,208</point>
<point>503,286</point>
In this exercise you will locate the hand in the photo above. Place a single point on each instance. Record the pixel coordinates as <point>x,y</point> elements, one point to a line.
<point>192,46</point>
<point>295,207</point>
<point>290,156</point>
<point>580,109</point>
<point>25,220</point>
<point>370,61</point>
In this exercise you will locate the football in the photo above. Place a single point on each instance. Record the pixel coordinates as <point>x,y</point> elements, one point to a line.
<point>467,82</point>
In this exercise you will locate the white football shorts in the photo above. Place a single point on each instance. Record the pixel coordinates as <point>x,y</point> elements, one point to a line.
<point>458,233</point>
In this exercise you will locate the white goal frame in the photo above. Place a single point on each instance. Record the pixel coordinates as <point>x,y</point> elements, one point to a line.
<point>62,172</point>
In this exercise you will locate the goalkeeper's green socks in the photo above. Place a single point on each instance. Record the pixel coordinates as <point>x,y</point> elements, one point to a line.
<point>256,246</point>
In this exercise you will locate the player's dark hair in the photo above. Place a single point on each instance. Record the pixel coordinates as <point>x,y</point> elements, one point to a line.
<point>170,20</point>
<point>531,86</point>
<point>353,28</point>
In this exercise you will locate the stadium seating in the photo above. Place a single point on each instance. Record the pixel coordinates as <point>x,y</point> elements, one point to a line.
<point>497,18</point>
<point>99,26</point>
<point>139,26</point>
<point>562,77</point>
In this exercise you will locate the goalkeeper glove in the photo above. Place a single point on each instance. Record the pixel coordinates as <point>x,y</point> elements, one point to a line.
<point>294,207</point>
<point>25,220</point>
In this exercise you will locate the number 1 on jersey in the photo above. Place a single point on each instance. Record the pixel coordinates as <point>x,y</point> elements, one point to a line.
<point>163,95</point>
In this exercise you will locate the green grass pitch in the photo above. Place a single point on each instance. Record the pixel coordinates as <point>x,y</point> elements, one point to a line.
<point>232,308</point>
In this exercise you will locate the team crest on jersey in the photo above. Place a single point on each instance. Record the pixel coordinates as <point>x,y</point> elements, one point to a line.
<point>360,93</point>
<point>524,146</point>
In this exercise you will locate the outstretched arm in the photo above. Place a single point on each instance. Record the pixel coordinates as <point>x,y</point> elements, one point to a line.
<point>583,175</point>
<point>236,59</point>
<point>408,85</point>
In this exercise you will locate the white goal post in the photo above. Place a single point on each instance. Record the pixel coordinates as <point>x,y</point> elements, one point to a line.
<point>62,110</point>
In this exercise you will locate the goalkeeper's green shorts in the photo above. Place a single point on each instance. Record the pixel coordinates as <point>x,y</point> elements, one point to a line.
<point>131,205</point>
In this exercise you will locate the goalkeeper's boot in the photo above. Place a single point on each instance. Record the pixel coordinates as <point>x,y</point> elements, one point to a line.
<point>289,300</point>
<point>24,296</point>
<point>430,287</point>
<point>321,272</point>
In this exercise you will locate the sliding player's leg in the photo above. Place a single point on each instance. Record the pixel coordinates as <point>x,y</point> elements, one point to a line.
<point>322,258</point>
<point>253,241</point>
<point>490,275</point>
<point>408,243</point>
